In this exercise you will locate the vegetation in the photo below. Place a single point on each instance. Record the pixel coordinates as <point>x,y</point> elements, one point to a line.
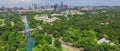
<point>81,31</point>
<point>10,37</point>
<point>86,30</point>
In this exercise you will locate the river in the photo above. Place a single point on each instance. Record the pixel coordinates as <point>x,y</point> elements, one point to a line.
<point>29,39</point>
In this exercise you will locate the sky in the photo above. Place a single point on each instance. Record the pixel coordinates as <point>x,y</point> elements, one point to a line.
<point>23,3</point>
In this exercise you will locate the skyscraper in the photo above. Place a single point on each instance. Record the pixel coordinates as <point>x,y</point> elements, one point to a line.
<point>56,6</point>
<point>2,8</point>
<point>34,6</point>
<point>62,5</point>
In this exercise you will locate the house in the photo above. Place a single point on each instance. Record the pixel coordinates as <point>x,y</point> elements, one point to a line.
<point>45,18</point>
<point>103,40</point>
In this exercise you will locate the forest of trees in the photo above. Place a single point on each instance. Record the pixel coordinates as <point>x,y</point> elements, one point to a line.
<point>81,30</point>
<point>10,36</point>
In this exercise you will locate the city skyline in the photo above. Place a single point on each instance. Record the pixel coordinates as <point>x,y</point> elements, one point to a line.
<point>23,3</point>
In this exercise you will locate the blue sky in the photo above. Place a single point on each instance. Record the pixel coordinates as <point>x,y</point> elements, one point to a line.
<point>20,3</point>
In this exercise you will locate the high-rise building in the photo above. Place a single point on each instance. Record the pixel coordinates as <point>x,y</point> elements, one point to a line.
<point>2,8</point>
<point>56,6</point>
<point>34,6</point>
<point>62,5</point>
<point>47,6</point>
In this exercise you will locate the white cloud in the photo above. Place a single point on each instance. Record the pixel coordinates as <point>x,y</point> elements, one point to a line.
<point>21,0</point>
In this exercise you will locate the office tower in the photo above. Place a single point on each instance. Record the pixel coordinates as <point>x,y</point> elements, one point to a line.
<point>62,5</point>
<point>34,6</point>
<point>56,6</point>
<point>2,8</point>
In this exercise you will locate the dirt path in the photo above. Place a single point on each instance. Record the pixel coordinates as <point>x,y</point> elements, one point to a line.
<point>66,47</point>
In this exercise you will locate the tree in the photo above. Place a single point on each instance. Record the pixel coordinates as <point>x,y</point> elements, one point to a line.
<point>57,43</point>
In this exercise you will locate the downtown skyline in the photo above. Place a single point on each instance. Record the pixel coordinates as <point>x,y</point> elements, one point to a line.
<point>24,3</point>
